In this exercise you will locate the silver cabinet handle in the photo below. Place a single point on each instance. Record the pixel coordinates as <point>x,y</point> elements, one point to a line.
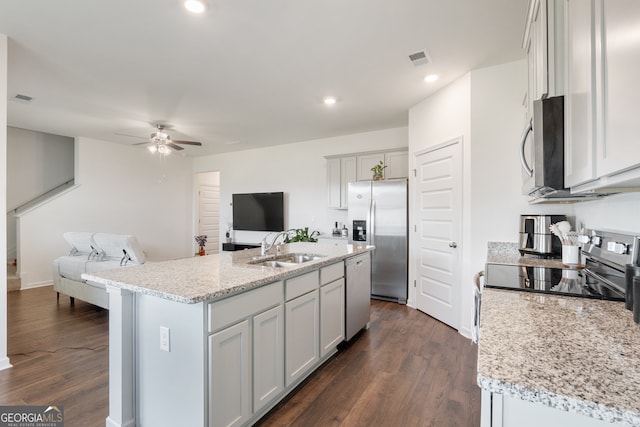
<point>453,245</point>
<point>523,160</point>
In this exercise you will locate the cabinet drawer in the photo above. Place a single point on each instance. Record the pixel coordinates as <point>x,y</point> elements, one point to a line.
<point>233,309</point>
<point>301,285</point>
<point>332,272</point>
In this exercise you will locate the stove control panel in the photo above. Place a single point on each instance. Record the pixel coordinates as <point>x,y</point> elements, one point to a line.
<point>617,248</point>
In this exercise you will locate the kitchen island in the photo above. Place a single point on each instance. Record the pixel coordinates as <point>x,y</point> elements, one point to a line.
<point>220,339</point>
<point>557,361</point>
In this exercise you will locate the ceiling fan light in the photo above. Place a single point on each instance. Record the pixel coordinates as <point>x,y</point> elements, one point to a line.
<point>153,148</point>
<point>194,6</point>
<point>163,149</point>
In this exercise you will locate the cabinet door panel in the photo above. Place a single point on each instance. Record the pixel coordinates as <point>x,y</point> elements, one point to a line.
<point>619,148</point>
<point>348,174</point>
<point>301,329</point>
<point>331,316</point>
<point>268,356</point>
<point>334,182</point>
<point>366,162</point>
<point>579,101</point>
<point>397,165</point>
<point>230,376</point>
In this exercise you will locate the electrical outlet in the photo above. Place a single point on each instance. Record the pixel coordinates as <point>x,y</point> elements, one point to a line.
<point>165,339</point>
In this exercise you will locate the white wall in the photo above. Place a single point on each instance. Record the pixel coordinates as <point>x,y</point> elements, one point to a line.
<point>442,117</point>
<point>4,361</point>
<point>614,213</point>
<point>299,170</point>
<point>38,162</point>
<point>497,121</point>
<point>485,108</point>
<point>120,189</point>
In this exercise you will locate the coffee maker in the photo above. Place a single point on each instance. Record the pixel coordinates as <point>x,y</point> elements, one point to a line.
<point>536,238</point>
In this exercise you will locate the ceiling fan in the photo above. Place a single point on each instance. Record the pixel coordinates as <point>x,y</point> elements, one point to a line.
<point>160,141</point>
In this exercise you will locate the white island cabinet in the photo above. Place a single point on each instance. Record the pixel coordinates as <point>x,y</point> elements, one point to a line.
<point>248,329</point>
<point>227,343</point>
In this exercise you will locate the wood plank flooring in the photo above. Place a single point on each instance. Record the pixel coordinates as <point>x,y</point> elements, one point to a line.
<point>406,370</point>
<point>60,356</point>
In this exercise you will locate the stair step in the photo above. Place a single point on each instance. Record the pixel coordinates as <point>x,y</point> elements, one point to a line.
<point>13,281</point>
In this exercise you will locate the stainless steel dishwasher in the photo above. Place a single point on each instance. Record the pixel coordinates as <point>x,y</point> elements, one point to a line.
<point>358,294</point>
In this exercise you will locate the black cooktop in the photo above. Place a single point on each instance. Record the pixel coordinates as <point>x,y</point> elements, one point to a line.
<point>559,281</point>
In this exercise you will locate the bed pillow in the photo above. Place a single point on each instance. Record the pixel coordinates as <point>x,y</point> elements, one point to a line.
<point>122,247</point>
<point>82,243</point>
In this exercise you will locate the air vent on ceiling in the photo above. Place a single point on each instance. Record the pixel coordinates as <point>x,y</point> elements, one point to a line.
<point>23,98</point>
<point>420,58</point>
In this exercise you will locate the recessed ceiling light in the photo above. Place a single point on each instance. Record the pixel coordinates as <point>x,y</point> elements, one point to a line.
<point>195,6</point>
<point>329,100</point>
<point>431,78</point>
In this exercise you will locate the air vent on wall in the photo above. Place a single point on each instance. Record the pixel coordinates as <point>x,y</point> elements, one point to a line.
<point>420,58</point>
<point>23,98</point>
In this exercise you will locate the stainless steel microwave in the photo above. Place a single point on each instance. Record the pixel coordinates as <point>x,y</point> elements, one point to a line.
<point>542,154</point>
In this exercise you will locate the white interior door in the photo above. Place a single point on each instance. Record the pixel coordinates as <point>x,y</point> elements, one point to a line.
<point>209,216</point>
<point>439,218</point>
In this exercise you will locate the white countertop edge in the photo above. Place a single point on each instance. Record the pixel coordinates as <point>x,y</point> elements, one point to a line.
<point>564,403</point>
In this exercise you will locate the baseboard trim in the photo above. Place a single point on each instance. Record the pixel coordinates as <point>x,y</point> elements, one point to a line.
<point>4,363</point>
<point>36,285</point>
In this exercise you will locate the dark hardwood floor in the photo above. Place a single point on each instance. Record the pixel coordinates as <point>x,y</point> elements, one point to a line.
<point>60,356</point>
<point>406,370</point>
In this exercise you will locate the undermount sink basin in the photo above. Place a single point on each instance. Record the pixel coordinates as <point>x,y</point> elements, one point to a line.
<point>288,260</point>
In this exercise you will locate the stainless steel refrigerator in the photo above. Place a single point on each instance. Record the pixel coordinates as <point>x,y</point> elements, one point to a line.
<point>378,216</point>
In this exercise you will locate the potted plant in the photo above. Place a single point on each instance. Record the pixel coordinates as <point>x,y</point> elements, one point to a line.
<point>302,235</point>
<point>202,241</point>
<point>378,171</point>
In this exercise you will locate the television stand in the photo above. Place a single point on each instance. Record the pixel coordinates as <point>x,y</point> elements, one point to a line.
<point>235,246</point>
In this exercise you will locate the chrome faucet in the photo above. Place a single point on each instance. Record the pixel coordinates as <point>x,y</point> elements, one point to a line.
<point>264,246</point>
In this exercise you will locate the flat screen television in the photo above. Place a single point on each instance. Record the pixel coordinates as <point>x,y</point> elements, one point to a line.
<point>258,211</point>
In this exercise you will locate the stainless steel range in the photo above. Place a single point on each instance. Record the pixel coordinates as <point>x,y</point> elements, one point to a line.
<point>601,276</point>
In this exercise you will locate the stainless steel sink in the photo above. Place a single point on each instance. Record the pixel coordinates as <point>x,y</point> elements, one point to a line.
<point>287,260</point>
<point>273,263</point>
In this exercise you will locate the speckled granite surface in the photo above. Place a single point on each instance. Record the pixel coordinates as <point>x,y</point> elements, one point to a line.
<point>507,253</point>
<point>207,278</point>
<point>576,354</point>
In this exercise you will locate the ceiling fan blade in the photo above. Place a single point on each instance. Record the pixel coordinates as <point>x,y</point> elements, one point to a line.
<point>174,146</point>
<point>142,143</point>
<point>199,144</point>
<point>132,136</point>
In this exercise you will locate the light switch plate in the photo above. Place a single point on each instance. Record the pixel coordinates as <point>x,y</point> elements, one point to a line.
<point>165,339</point>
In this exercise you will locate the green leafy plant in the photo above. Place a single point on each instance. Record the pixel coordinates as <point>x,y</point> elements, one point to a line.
<point>302,235</point>
<point>378,170</point>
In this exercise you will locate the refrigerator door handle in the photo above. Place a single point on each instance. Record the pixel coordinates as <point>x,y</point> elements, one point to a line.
<point>372,223</point>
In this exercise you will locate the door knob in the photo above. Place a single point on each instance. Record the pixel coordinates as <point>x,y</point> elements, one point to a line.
<point>453,245</point>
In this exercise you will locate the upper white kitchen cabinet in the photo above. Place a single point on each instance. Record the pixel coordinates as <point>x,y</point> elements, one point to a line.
<point>366,162</point>
<point>543,42</point>
<point>579,142</point>
<point>341,170</point>
<point>396,162</point>
<point>617,65</point>
<point>602,149</point>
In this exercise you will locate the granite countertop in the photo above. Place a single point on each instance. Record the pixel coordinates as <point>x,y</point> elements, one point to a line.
<point>575,354</point>
<point>507,253</point>
<point>206,278</point>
